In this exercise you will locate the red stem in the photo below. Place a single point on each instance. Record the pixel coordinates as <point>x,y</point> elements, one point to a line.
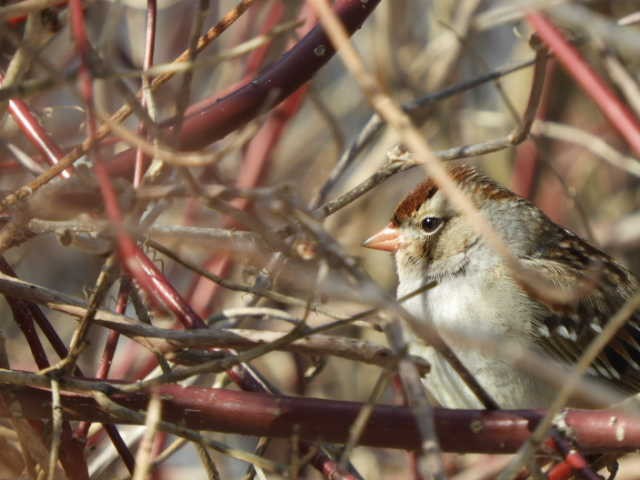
<point>150,44</point>
<point>70,450</point>
<point>256,59</point>
<point>216,117</point>
<point>138,265</point>
<point>609,104</point>
<point>527,160</point>
<point>25,313</point>
<point>255,164</point>
<point>256,414</point>
<point>34,132</point>
<point>109,350</point>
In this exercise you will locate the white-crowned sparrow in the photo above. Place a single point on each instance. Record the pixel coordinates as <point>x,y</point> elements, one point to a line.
<point>476,293</point>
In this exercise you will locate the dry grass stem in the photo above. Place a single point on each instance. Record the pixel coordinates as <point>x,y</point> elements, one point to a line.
<point>144,457</point>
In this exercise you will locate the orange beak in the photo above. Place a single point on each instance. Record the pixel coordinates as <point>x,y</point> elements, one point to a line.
<point>387,239</point>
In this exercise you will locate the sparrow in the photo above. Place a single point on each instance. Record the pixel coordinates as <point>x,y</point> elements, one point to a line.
<point>476,293</point>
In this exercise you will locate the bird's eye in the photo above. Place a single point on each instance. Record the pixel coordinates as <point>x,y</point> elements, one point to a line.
<point>431,224</point>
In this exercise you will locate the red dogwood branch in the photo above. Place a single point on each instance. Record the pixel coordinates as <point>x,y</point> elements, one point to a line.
<point>212,119</point>
<point>620,116</point>
<point>464,431</point>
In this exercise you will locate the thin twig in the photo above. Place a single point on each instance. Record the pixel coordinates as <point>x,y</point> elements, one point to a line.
<point>416,109</point>
<point>207,461</point>
<point>399,160</point>
<point>105,279</point>
<point>56,429</point>
<point>430,462</point>
<point>593,143</point>
<point>125,413</point>
<point>144,459</point>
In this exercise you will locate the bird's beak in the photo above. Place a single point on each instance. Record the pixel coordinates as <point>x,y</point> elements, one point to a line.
<point>387,239</point>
